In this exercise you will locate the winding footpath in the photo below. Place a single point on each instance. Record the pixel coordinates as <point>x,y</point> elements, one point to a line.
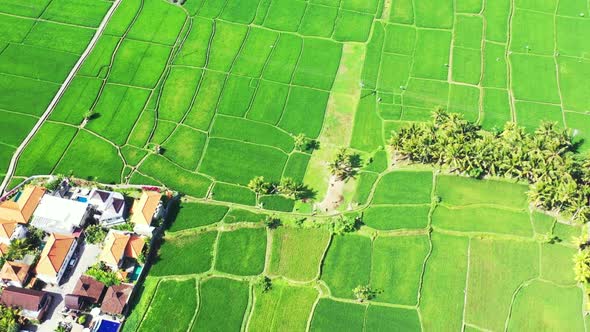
<point>57,97</point>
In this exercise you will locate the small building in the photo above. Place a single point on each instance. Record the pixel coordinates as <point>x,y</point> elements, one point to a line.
<point>10,230</point>
<point>147,208</point>
<point>109,205</point>
<point>118,245</point>
<point>33,303</point>
<point>116,298</point>
<point>55,257</point>
<point>90,289</point>
<point>14,274</point>
<point>21,206</point>
<point>60,215</point>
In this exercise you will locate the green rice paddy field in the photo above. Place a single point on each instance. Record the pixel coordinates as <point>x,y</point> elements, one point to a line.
<point>476,259</point>
<point>223,87</point>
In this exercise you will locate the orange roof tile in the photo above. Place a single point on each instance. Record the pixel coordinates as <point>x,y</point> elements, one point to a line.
<point>7,228</point>
<point>3,249</point>
<point>145,207</point>
<point>14,271</point>
<point>134,246</point>
<point>54,254</point>
<point>114,247</point>
<point>22,209</point>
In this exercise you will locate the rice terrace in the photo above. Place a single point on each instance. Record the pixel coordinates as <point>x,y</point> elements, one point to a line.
<point>322,165</point>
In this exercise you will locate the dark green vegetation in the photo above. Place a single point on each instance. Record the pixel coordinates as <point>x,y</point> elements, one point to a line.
<point>560,179</point>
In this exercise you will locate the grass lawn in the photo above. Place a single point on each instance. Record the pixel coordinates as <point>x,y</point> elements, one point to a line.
<point>242,252</point>
<point>297,253</point>
<point>174,258</point>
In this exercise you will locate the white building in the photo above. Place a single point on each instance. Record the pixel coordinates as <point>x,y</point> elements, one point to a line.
<point>109,205</point>
<point>10,231</point>
<point>60,215</point>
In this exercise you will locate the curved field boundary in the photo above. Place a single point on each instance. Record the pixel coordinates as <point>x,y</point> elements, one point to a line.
<point>55,100</point>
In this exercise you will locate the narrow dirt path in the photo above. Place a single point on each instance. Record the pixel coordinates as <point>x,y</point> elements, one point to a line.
<point>57,97</point>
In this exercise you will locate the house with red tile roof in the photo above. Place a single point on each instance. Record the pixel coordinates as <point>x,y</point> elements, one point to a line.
<point>55,257</point>
<point>118,245</point>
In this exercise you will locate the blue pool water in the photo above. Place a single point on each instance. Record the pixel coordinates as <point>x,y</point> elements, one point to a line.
<point>108,326</point>
<point>82,199</point>
<point>135,275</point>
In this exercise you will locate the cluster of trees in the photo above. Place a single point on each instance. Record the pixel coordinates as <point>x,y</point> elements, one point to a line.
<point>344,224</point>
<point>10,319</point>
<point>345,164</point>
<point>364,293</point>
<point>286,187</point>
<point>31,244</point>
<point>546,158</point>
<point>103,273</point>
<point>582,265</point>
<point>95,234</point>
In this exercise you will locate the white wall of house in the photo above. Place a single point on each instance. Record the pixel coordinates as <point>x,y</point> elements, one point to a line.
<point>19,233</point>
<point>64,266</point>
<point>55,279</point>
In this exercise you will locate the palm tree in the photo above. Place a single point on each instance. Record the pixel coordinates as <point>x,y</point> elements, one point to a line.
<point>581,268</point>
<point>289,188</point>
<point>258,186</point>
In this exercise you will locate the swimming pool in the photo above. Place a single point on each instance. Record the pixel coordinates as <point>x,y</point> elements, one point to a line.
<point>107,326</point>
<point>136,273</point>
<point>82,199</point>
